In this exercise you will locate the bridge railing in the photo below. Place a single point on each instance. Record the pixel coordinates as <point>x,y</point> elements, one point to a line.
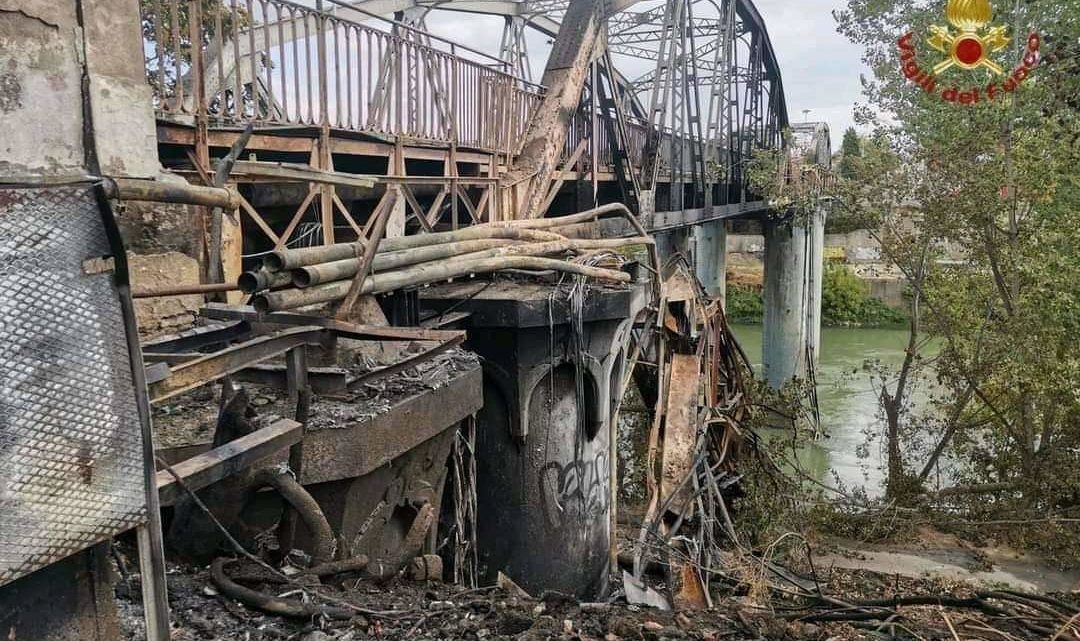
<point>280,63</point>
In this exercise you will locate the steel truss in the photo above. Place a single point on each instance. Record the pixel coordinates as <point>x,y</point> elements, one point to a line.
<point>712,97</point>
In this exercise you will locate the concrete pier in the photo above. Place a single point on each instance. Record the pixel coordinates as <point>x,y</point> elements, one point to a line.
<point>710,240</point>
<point>672,243</point>
<point>544,446</point>
<point>794,271</point>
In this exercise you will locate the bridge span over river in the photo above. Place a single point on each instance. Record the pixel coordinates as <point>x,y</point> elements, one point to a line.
<point>659,105</point>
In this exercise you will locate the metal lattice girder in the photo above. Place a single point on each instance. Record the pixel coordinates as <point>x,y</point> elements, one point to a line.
<point>513,48</point>
<point>71,442</point>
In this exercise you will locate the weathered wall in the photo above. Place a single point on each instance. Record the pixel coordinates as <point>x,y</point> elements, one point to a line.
<point>46,57</point>
<point>71,600</point>
<point>41,120</point>
<point>170,314</point>
<point>125,136</point>
<point>57,65</point>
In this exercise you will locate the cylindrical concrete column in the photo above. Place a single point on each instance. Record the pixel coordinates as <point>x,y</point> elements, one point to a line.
<point>816,267</point>
<point>786,302</point>
<point>671,243</point>
<point>711,251</point>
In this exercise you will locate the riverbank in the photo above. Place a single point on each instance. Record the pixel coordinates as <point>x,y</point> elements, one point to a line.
<point>858,290</point>
<point>846,301</point>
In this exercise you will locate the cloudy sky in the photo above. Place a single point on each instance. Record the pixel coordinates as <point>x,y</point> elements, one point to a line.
<point>820,67</point>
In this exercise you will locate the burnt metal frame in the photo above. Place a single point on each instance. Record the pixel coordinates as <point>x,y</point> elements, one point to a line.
<point>211,367</point>
<point>745,108</point>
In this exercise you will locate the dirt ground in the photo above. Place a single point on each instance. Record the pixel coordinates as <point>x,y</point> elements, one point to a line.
<point>403,609</point>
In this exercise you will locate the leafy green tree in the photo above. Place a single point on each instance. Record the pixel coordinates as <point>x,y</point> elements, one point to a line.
<point>850,149</point>
<point>979,206</point>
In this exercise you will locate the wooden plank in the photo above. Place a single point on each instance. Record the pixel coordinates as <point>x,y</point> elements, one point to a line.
<point>299,173</point>
<point>220,311</point>
<point>358,448</point>
<point>417,210</point>
<point>323,380</point>
<point>259,221</point>
<point>680,429</point>
<point>202,470</point>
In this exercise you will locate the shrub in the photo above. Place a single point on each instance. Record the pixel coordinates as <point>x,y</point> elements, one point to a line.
<point>744,304</point>
<point>845,301</point>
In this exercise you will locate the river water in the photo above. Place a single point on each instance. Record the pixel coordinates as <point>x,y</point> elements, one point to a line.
<point>848,404</point>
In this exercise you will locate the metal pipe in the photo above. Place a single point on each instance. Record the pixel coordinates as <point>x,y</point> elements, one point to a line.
<point>426,273</point>
<point>285,259</point>
<point>167,192</point>
<point>328,272</point>
<point>185,290</point>
<point>261,279</point>
<point>471,250</point>
<point>476,232</point>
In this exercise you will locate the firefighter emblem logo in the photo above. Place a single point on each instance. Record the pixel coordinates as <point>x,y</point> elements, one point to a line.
<point>968,44</point>
<point>968,47</point>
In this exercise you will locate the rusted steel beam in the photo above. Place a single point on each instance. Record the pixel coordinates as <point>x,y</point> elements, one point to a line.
<point>348,330</point>
<point>170,359</point>
<point>193,374</point>
<point>207,468</point>
<point>565,75</point>
<point>185,290</point>
<point>381,217</point>
<point>680,429</point>
<point>356,449</point>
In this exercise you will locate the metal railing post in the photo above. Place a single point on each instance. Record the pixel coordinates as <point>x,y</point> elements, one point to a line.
<point>326,192</point>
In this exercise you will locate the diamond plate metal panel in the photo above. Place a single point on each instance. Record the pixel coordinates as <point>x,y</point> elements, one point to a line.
<point>71,460</point>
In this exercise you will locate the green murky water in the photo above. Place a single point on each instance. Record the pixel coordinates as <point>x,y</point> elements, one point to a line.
<point>848,403</point>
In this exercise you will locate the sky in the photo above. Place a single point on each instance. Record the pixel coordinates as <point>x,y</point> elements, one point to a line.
<point>820,68</point>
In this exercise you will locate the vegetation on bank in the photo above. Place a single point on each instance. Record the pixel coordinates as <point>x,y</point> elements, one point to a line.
<point>845,302</point>
<point>992,456</point>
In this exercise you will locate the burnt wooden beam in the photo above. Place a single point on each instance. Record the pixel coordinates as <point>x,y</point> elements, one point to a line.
<point>204,469</point>
<point>322,380</point>
<point>342,328</point>
<point>211,367</point>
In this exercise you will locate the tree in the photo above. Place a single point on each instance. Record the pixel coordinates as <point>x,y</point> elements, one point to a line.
<point>850,149</point>
<point>995,186</point>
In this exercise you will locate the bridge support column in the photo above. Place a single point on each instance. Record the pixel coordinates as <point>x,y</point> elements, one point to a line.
<point>711,249</point>
<point>792,292</point>
<point>816,258</point>
<point>544,435</point>
<point>672,243</point>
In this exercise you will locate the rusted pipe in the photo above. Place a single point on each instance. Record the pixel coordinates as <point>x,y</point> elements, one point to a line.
<point>306,506</point>
<point>330,568</point>
<point>185,290</point>
<point>476,232</point>
<point>291,608</point>
<point>575,219</point>
<point>469,249</point>
<point>168,192</point>
<point>340,269</point>
<point>425,273</point>
<point>287,259</point>
<point>262,279</point>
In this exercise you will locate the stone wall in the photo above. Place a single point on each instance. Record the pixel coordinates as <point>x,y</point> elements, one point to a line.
<point>167,315</point>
